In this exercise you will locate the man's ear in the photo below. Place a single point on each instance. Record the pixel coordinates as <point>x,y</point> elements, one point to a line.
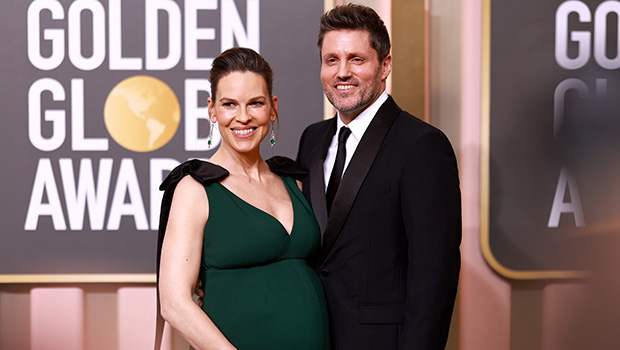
<point>386,67</point>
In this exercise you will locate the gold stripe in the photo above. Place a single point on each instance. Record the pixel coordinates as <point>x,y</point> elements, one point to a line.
<point>79,278</point>
<point>328,109</point>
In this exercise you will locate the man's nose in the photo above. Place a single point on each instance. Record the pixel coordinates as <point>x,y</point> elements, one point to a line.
<point>343,70</point>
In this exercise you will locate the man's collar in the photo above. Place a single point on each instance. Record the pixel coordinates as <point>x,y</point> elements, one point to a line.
<point>359,125</point>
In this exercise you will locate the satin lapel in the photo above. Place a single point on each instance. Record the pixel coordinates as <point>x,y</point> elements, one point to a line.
<point>317,179</point>
<point>356,172</point>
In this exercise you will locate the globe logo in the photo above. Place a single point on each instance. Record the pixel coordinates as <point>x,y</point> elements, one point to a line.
<point>142,113</point>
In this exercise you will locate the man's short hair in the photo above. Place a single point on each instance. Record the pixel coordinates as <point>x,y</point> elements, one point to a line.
<point>357,17</point>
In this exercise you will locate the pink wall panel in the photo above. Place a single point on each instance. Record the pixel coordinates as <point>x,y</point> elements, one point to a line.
<point>484,296</point>
<point>137,311</point>
<point>57,318</point>
<point>14,317</point>
<point>561,310</point>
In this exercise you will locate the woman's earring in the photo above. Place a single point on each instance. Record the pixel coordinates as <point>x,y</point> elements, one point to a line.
<point>272,139</point>
<point>210,138</point>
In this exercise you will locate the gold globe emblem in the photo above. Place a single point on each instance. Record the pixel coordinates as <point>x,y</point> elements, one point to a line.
<point>142,113</point>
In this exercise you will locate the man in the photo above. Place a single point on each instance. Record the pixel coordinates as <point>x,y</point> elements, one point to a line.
<point>390,253</point>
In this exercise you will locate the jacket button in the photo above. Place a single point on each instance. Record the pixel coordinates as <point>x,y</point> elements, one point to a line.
<point>324,272</point>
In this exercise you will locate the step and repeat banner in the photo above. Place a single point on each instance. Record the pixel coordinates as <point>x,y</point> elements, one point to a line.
<point>553,147</point>
<point>101,99</point>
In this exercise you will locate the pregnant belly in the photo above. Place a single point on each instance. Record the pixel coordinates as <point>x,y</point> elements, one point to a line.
<point>276,306</point>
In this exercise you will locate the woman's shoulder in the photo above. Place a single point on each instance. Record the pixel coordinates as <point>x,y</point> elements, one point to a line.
<point>285,166</point>
<point>201,171</point>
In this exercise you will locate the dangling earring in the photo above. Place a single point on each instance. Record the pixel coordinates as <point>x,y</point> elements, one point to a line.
<point>210,138</point>
<point>272,139</point>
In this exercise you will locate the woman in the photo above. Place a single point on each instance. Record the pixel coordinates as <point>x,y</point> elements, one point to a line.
<point>243,227</point>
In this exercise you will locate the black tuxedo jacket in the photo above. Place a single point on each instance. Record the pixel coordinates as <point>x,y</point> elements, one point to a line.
<point>390,255</point>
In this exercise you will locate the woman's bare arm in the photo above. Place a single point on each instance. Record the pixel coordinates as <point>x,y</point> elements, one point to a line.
<point>180,264</point>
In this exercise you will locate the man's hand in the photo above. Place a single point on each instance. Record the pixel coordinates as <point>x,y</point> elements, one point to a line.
<point>199,293</point>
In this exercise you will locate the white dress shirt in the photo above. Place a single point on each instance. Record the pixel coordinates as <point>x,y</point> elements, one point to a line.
<point>358,127</point>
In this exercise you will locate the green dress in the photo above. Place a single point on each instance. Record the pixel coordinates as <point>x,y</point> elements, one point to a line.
<point>259,289</point>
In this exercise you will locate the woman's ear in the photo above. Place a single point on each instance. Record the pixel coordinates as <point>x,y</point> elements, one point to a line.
<point>211,109</point>
<point>274,109</point>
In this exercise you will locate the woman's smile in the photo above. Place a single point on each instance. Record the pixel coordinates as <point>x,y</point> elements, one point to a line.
<point>242,132</point>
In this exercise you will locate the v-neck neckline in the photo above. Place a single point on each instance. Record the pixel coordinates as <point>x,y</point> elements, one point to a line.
<point>266,213</point>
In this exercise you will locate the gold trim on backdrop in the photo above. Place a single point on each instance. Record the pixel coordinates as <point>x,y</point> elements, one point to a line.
<point>485,171</point>
<point>79,278</point>
<point>328,109</point>
<point>410,53</point>
<point>427,61</point>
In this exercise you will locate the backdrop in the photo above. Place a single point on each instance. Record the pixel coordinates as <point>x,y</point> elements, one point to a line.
<point>100,99</point>
<point>553,123</point>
